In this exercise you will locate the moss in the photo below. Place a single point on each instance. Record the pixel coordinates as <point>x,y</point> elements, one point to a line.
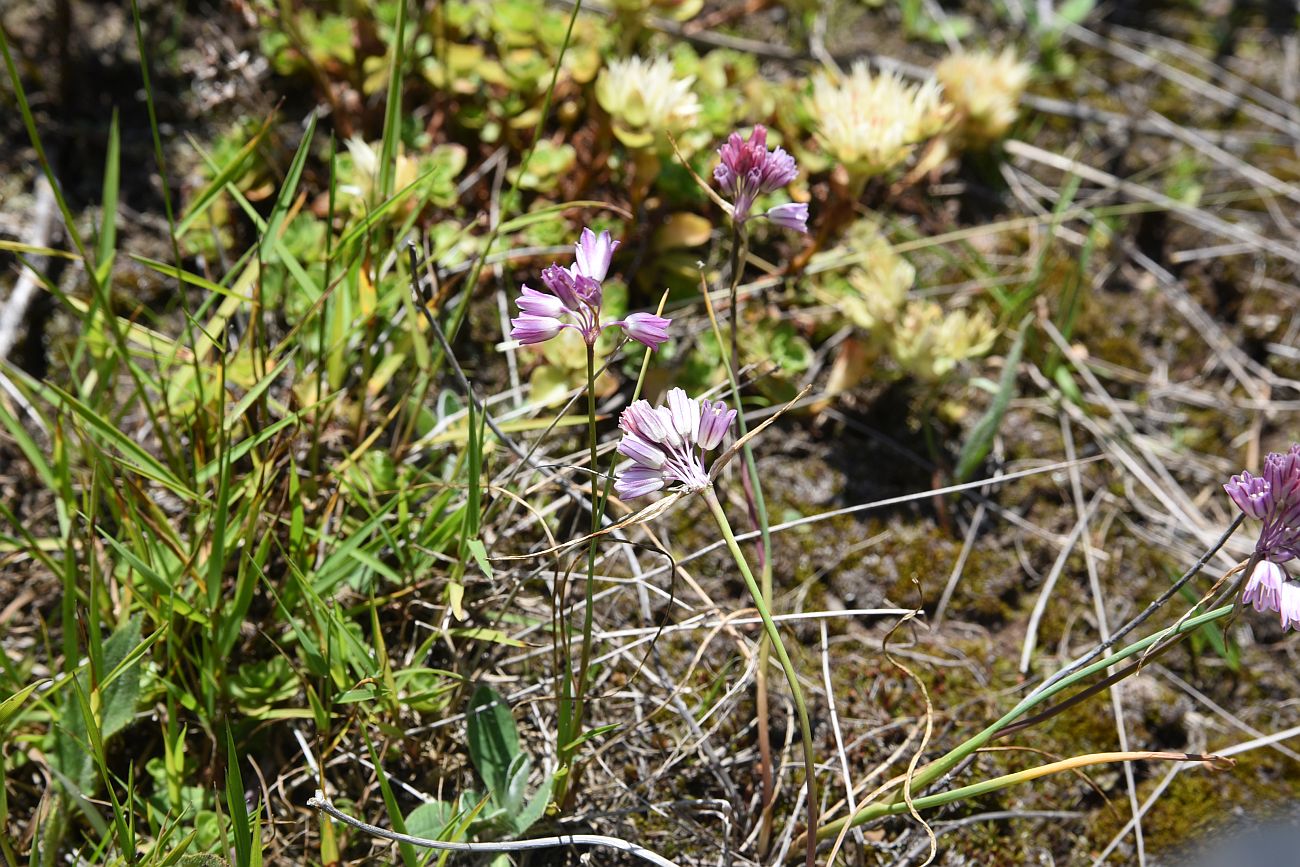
<point>1195,801</point>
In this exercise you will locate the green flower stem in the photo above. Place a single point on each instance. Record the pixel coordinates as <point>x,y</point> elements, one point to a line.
<point>1006,780</point>
<point>569,738</point>
<point>587,616</point>
<point>769,626</point>
<point>933,771</point>
<point>739,250</point>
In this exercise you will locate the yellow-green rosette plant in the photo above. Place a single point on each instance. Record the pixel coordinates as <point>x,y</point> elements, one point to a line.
<point>871,292</point>
<point>928,344</point>
<point>675,10</point>
<point>984,90</point>
<point>645,99</point>
<point>872,123</point>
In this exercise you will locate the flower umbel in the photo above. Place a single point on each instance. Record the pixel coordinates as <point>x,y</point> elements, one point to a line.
<point>666,444</point>
<point>1273,497</point>
<point>749,170</point>
<point>573,298</point>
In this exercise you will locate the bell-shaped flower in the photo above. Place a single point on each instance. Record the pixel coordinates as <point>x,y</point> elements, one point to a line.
<point>1274,498</point>
<point>792,215</point>
<point>594,254</point>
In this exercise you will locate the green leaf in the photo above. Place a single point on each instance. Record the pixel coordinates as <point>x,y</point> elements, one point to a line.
<point>122,695</point>
<point>479,552</point>
<point>407,851</point>
<point>132,453</point>
<point>1065,382</point>
<point>591,734</point>
<point>545,213</point>
<point>223,176</point>
<point>10,706</point>
<point>288,190</point>
<point>393,106</point>
<point>434,820</point>
<point>118,699</point>
<point>493,740</point>
<point>237,806</point>
<point>203,860</point>
<point>980,442</point>
<point>532,813</point>
<point>105,249</point>
<point>1073,12</point>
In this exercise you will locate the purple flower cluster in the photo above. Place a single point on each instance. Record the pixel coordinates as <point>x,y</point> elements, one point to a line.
<point>1273,497</point>
<point>749,170</point>
<point>666,444</point>
<point>573,299</point>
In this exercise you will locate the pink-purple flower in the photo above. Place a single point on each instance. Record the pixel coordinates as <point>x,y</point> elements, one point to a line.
<point>749,170</point>
<point>1273,497</point>
<point>666,444</point>
<point>792,215</point>
<point>573,297</point>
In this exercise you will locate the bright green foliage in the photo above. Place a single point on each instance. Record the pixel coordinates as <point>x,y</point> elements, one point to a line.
<point>503,766</point>
<point>112,692</point>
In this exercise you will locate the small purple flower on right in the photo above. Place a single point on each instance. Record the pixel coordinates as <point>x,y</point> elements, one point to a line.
<point>1273,497</point>
<point>749,170</point>
<point>666,444</point>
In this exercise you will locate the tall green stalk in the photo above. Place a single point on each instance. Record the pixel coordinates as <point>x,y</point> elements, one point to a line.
<point>570,733</point>
<point>769,627</point>
<point>754,490</point>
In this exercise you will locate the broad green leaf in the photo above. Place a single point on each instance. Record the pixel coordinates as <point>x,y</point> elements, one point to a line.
<point>118,698</point>
<point>493,739</point>
<point>121,695</point>
<point>536,807</point>
<point>434,820</point>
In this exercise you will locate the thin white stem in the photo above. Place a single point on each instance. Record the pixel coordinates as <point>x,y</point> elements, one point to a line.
<point>320,802</point>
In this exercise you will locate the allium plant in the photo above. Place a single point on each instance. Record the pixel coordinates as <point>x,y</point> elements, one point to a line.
<point>749,170</point>
<point>746,171</point>
<point>573,300</point>
<point>1273,497</point>
<point>666,447</point>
